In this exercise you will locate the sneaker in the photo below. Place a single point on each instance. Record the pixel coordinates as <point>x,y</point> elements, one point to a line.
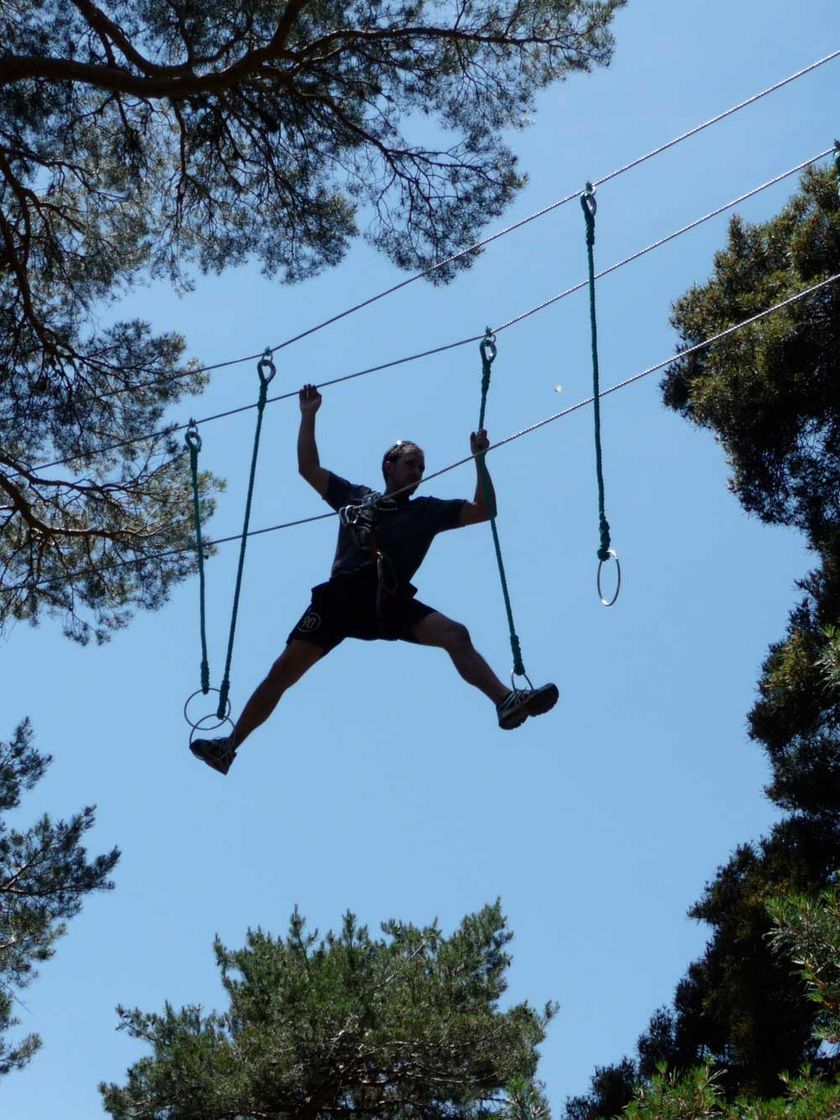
<point>217,753</point>
<point>521,703</point>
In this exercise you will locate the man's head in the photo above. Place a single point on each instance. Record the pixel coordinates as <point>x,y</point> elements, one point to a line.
<point>403,466</point>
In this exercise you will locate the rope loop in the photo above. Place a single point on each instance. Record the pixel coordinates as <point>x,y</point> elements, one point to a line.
<point>518,664</point>
<point>266,368</point>
<point>191,438</point>
<point>488,347</point>
<point>604,549</point>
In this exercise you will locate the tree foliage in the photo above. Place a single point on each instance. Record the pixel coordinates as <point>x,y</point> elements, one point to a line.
<point>807,930</point>
<point>45,875</point>
<point>407,1024</point>
<point>699,1095</point>
<point>771,395</point>
<point>148,139</point>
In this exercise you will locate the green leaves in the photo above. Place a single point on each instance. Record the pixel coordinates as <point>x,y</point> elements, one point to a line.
<point>148,140</point>
<point>405,1024</point>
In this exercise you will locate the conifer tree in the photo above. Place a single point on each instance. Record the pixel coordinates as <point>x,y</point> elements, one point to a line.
<point>408,1024</point>
<point>45,875</point>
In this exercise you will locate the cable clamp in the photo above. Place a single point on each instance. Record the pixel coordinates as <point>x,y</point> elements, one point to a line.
<point>488,348</point>
<point>588,201</point>
<point>350,515</point>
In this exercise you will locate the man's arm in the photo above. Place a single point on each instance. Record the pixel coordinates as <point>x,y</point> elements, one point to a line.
<point>309,463</point>
<point>483,505</point>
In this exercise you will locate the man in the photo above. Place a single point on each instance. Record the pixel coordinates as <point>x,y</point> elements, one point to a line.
<point>382,540</point>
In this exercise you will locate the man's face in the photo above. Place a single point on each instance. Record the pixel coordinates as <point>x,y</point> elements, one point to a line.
<point>405,471</point>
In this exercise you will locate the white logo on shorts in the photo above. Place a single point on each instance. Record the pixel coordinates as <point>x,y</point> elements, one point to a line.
<point>309,622</point>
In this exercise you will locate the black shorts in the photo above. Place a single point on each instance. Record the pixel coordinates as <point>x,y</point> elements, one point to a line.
<point>348,606</point>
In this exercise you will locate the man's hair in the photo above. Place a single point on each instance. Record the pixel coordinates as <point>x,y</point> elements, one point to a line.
<point>396,451</point>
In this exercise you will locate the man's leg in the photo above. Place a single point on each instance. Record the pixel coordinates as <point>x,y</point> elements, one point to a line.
<point>439,631</point>
<point>293,662</point>
<point>513,706</point>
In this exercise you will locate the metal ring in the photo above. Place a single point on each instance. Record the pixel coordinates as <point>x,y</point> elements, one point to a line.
<point>601,563</point>
<point>196,727</point>
<point>513,681</point>
<point>196,724</point>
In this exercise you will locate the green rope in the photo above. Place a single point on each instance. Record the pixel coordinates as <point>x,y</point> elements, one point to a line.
<point>266,371</point>
<point>488,355</point>
<point>193,442</point>
<point>587,201</point>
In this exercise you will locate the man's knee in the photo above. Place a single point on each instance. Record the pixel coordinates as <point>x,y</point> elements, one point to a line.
<point>293,662</point>
<point>455,636</point>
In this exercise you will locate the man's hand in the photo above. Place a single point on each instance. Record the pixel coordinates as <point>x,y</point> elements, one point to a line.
<point>310,400</point>
<point>483,505</point>
<point>479,442</point>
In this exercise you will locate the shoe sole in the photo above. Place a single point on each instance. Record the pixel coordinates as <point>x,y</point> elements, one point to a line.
<point>514,720</point>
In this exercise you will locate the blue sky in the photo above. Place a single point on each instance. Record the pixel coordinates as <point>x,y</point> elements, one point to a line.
<point>382,784</point>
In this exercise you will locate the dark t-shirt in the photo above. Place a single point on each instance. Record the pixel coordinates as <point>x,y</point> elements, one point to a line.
<point>404,528</point>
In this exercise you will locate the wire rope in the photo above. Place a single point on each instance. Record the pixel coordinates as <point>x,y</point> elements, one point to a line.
<point>467,458</point>
<point>478,245</point>
<point>158,434</point>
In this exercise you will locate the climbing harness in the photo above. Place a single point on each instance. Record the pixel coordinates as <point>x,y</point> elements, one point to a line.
<point>361,519</point>
<point>487,348</point>
<point>266,371</point>
<point>605,551</point>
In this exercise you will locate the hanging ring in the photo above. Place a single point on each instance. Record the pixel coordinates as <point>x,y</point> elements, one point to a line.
<point>266,367</point>
<point>197,725</point>
<point>513,683</point>
<point>198,728</point>
<point>611,554</point>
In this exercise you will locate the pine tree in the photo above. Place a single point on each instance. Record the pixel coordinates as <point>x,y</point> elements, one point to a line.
<point>45,875</point>
<point>403,1025</point>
